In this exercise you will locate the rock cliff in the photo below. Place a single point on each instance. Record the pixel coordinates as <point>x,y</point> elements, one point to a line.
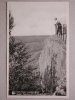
<point>52,62</point>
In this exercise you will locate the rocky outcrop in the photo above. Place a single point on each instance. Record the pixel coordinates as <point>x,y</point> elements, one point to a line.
<point>52,62</point>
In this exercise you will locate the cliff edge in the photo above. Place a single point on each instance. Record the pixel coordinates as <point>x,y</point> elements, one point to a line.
<point>52,62</point>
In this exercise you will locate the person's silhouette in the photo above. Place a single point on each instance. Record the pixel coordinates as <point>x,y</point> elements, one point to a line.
<point>58,27</point>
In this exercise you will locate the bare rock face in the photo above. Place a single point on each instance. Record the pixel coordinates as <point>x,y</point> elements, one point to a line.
<point>52,63</point>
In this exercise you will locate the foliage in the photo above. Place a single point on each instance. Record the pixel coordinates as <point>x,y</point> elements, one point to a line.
<point>17,52</point>
<point>11,22</point>
<point>18,57</point>
<point>21,77</point>
<point>30,79</point>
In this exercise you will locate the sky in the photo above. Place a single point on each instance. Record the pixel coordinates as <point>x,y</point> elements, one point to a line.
<point>37,18</point>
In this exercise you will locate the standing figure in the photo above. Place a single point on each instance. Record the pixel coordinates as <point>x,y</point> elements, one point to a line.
<point>58,28</point>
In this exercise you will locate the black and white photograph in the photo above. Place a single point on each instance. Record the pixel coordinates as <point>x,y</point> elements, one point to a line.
<point>38,49</point>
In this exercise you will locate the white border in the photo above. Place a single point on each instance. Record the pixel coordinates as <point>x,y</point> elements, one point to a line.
<point>7,48</point>
<point>67,57</point>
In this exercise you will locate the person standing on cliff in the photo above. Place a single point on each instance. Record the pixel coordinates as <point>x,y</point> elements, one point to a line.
<point>58,27</point>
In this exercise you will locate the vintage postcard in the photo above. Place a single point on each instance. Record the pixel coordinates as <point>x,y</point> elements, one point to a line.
<point>37,49</point>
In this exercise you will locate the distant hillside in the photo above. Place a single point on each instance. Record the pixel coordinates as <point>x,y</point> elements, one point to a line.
<point>29,39</point>
<point>33,43</point>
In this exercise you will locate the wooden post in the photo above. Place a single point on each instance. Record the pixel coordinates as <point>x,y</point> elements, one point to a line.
<point>63,32</point>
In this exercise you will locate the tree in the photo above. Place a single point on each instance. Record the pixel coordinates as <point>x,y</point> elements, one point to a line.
<point>32,80</point>
<point>18,57</point>
<point>17,52</point>
<point>21,77</point>
<point>11,22</point>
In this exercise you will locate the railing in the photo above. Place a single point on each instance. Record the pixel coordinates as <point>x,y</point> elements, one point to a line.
<point>64,32</point>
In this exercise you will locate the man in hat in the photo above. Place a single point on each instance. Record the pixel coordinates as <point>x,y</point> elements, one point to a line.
<point>58,27</point>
